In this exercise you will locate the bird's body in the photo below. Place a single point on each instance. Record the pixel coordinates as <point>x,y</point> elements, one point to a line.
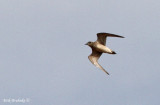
<point>101,48</point>
<point>98,47</point>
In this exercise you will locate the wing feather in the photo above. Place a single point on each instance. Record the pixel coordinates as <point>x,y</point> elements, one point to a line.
<point>101,37</point>
<point>94,59</point>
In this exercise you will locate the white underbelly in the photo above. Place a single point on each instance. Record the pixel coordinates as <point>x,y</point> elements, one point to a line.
<point>102,48</point>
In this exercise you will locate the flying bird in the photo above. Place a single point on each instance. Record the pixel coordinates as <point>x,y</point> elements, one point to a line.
<point>98,47</point>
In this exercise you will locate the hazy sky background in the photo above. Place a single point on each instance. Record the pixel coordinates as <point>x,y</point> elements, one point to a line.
<point>43,56</point>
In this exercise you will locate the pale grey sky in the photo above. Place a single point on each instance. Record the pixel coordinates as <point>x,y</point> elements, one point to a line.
<point>43,56</point>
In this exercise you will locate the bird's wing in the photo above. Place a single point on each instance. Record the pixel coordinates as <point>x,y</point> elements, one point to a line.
<point>94,59</point>
<point>101,37</point>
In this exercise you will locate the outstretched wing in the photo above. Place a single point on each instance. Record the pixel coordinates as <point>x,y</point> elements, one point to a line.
<point>94,59</point>
<point>101,37</point>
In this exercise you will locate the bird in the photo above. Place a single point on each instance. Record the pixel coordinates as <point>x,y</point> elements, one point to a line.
<point>98,47</point>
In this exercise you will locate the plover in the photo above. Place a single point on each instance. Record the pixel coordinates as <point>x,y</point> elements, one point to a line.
<point>98,47</point>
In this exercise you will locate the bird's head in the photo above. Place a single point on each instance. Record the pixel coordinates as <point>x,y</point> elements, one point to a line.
<point>89,43</point>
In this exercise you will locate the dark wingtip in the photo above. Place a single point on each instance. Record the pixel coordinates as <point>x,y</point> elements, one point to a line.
<point>106,72</point>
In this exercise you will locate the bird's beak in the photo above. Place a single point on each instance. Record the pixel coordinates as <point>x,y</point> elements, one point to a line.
<point>86,44</point>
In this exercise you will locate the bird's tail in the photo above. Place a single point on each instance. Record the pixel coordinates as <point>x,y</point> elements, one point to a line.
<point>113,52</point>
